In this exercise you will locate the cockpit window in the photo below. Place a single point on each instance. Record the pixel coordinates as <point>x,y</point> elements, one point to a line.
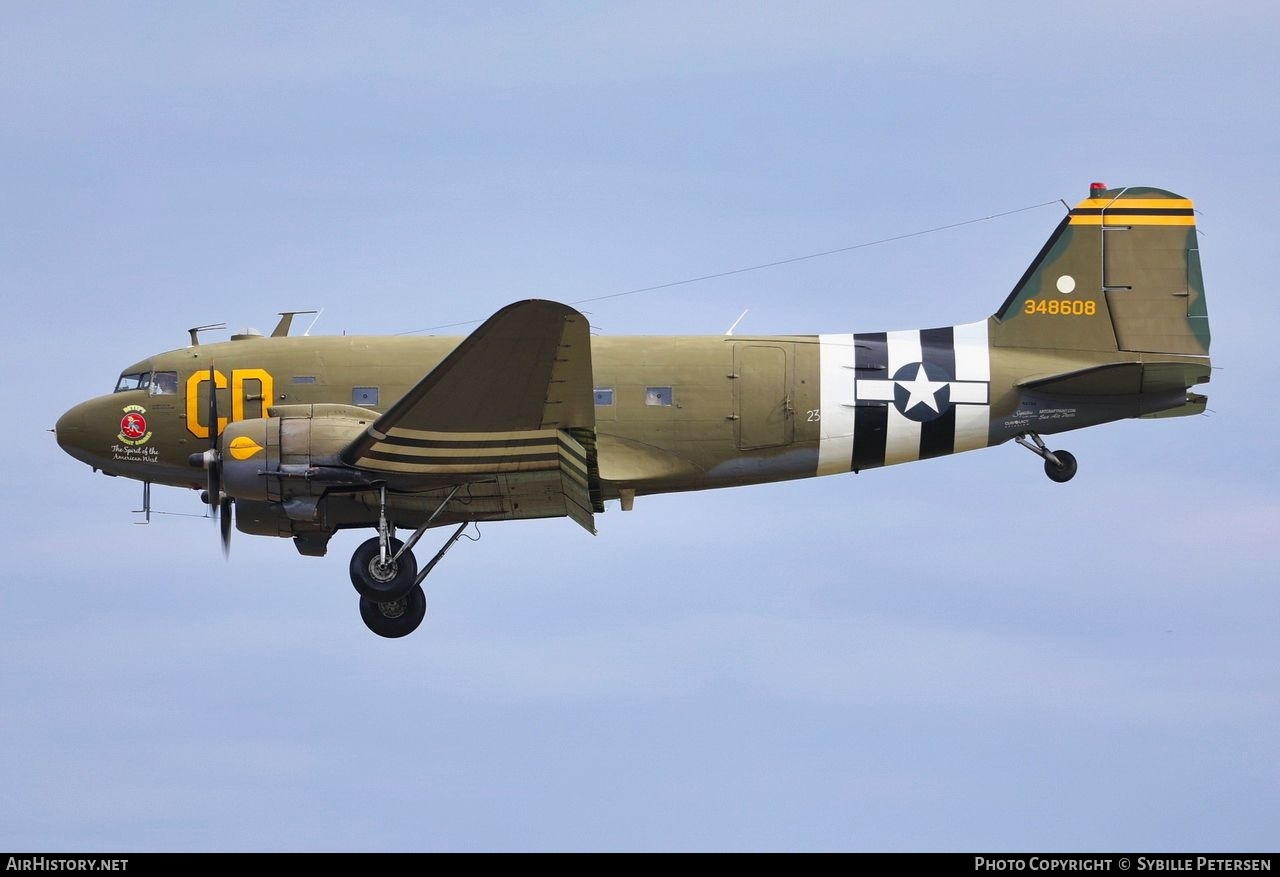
<point>157,383</point>
<point>164,383</point>
<point>132,382</point>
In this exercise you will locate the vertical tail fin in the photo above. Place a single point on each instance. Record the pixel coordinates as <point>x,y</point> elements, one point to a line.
<point>1120,273</point>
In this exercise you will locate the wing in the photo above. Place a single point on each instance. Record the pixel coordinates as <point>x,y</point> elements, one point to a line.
<point>511,404</point>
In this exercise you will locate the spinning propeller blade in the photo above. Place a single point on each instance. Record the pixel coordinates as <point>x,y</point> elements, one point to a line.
<point>211,462</point>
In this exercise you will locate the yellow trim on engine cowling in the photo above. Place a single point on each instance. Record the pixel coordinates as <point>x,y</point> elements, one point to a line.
<point>242,447</point>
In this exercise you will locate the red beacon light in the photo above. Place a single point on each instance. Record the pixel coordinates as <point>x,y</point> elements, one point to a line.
<point>1096,189</point>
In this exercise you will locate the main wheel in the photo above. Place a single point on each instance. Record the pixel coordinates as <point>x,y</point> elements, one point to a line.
<point>1063,473</point>
<point>395,618</point>
<point>379,582</point>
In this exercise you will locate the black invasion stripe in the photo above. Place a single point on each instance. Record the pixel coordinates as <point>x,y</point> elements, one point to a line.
<point>573,452</point>
<point>532,454</point>
<point>463,450</point>
<point>587,439</point>
<point>445,444</point>
<point>393,441</point>
<point>459,461</point>
<point>1133,211</point>
<point>571,464</point>
<point>870,419</point>
<point>576,476</point>
<point>938,436</point>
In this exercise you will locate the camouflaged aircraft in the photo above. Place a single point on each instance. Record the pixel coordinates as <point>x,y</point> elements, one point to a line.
<point>531,417</point>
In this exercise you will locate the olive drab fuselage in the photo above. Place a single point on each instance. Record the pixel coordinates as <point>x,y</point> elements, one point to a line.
<point>529,416</point>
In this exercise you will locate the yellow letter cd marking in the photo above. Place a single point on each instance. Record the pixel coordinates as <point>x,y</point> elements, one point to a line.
<point>195,411</point>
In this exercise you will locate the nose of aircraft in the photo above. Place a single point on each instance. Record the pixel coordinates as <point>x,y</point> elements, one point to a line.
<point>74,430</point>
<point>118,434</point>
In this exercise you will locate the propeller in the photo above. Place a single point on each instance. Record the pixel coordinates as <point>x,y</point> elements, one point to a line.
<point>224,525</point>
<point>211,462</point>
<point>215,451</point>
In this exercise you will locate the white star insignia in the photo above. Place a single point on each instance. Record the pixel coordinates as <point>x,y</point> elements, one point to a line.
<point>923,391</point>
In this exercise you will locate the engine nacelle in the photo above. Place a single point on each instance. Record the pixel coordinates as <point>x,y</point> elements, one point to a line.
<point>276,458</point>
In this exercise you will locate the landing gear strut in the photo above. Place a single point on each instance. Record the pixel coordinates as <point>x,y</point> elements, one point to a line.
<point>385,573</point>
<point>1060,466</point>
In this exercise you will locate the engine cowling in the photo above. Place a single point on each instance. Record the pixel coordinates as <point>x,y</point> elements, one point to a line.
<point>291,455</point>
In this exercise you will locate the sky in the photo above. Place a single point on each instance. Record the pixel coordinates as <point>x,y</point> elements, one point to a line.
<point>952,655</point>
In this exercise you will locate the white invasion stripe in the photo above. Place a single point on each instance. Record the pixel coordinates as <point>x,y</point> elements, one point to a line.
<point>902,434</point>
<point>902,439</point>
<point>835,367</point>
<point>972,425</point>
<point>904,349</point>
<point>973,353</point>
<point>460,468</point>
<point>495,451</point>
<point>973,363</point>
<point>436,435</point>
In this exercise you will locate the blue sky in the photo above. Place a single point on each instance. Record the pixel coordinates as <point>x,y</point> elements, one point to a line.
<point>956,654</point>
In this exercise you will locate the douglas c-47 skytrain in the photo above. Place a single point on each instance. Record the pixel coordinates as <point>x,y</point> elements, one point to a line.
<point>530,417</point>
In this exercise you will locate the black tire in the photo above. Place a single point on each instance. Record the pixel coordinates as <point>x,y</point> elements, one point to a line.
<point>386,585</point>
<point>397,618</point>
<point>1063,473</point>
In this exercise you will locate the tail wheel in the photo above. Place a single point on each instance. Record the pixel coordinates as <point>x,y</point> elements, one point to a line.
<point>396,618</point>
<point>382,582</point>
<point>1064,472</point>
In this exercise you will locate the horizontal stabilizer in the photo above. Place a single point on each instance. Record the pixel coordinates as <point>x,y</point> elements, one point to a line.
<point>1120,379</point>
<point>1195,404</point>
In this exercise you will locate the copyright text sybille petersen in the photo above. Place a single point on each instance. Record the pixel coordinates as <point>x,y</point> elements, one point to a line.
<point>1122,863</point>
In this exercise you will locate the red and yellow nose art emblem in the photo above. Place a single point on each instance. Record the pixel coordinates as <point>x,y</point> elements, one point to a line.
<point>133,426</point>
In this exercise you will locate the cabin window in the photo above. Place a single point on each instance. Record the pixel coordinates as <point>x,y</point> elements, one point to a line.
<point>364,396</point>
<point>164,384</point>
<point>604,395</point>
<point>658,396</point>
<point>132,382</point>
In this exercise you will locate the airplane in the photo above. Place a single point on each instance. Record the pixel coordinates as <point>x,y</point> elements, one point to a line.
<point>529,416</point>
